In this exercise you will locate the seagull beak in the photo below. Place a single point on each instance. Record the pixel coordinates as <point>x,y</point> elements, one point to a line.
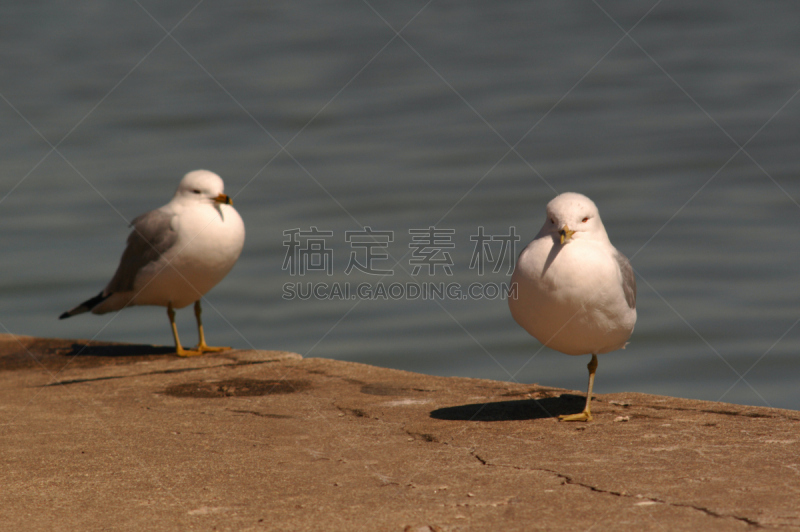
<point>223,198</point>
<point>566,233</point>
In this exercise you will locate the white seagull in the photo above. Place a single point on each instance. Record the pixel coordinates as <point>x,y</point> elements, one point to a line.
<point>575,292</point>
<point>176,254</point>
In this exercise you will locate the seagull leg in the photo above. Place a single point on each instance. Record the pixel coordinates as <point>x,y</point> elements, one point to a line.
<point>180,351</point>
<point>202,347</point>
<point>586,415</point>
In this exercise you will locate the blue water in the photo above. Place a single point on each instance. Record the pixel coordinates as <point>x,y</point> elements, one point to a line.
<point>475,115</point>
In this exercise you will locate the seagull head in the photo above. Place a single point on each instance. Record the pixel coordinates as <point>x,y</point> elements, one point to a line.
<point>204,186</point>
<point>572,216</point>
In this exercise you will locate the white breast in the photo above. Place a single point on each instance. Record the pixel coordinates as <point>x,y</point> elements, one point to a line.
<point>562,302</point>
<point>210,240</point>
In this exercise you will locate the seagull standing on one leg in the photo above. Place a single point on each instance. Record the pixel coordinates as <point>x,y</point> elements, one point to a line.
<point>575,292</point>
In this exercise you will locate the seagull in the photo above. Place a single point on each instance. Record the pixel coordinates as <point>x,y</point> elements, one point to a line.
<point>575,292</point>
<point>175,254</point>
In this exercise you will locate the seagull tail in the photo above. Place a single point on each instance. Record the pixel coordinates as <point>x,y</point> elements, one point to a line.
<point>86,306</point>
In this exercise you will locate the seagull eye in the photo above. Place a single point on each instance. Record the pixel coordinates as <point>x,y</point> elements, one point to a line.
<point>552,220</point>
<point>585,220</point>
<point>197,191</point>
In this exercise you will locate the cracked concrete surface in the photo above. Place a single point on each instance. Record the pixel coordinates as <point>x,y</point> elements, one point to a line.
<point>127,437</point>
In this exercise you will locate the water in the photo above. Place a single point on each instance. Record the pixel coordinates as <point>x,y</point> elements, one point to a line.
<point>102,113</point>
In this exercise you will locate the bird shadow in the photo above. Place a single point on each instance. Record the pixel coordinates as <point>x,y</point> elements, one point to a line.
<point>56,354</point>
<point>122,350</point>
<point>518,410</point>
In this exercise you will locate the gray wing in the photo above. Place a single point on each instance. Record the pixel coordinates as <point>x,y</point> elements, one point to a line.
<point>628,278</point>
<point>152,235</point>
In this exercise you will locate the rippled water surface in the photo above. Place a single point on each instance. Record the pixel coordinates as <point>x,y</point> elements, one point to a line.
<point>410,115</point>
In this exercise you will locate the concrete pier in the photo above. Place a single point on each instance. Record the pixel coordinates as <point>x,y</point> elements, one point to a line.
<point>127,437</point>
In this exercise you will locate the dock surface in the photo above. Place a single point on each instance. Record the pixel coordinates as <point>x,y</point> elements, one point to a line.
<point>127,437</point>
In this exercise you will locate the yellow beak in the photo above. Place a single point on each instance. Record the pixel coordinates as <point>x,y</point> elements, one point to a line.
<point>566,234</point>
<point>224,198</point>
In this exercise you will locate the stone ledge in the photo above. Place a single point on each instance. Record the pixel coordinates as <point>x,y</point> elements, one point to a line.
<point>114,436</point>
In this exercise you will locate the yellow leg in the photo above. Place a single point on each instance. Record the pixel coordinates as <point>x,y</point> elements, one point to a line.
<point>179,350</point>
<point>586,415</point>
<point>202,347</point>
